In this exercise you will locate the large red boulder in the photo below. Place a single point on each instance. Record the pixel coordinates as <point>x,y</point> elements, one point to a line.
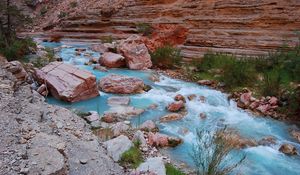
<point>136,53</point>
<point>162,140</point>
<point>120,84</point>
<point>67,82</point>
<point>112,60</point>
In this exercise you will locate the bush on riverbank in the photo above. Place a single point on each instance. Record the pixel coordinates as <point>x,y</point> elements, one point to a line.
<point>211,153</point>
<point>133,157</point>
<point>276,74</point>
<point>166,57</point>
<point>172,170</point>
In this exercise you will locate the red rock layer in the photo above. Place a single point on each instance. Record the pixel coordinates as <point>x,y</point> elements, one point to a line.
<point>251,27</point>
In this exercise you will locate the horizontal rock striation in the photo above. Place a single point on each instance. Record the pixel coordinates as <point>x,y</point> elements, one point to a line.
<point>252,27</point>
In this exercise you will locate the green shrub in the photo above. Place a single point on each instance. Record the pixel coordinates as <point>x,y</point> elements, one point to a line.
<point>214,61</point>
<point>43,11</point>
<point>73,4</point>
<point>17,49</point>
<point>107,39</point>
<point>133,157</point>
<point>166,57</point>
<point>172,170</point>
<point>239,73</point>
<point>144,29</point>
<point>271,83</point>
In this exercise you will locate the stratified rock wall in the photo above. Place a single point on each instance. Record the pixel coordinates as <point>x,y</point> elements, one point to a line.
<point>251,27</point>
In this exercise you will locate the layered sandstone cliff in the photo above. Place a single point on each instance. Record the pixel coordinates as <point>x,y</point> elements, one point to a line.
<point>251,27</point>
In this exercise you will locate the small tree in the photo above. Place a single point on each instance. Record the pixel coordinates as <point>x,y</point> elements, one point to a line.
<point>210,153</point>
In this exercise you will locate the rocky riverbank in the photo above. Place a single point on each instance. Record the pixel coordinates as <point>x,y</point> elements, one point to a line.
<point>38,138</point>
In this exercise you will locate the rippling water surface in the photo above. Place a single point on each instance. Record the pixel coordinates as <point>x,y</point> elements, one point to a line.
<point>261,160</point>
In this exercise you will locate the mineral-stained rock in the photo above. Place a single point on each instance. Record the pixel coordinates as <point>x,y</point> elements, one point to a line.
<point>135,53</point>
<point>154,165</point>
<point>112,60</point>
<point>68,83</point>
<point>120,84</point>
<point>176,106</point>
<point>171,117</point>
<point>266,141</point>
<point>288,149</point>
<point>117,146</point>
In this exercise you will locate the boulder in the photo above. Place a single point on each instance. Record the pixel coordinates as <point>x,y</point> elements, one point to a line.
<point>154,165</point>
<point>176,106</point>
<point>179,97</point>
<point>273,101</point>
<point>118,101</point>
<point>42,90</point>
<point>93,117</point>
<point>148,125</point>
<point>136,53</point>
<point>112,60</point>
<point>171,117</point>
<point>237,141</point>
<point>109,118</point>
<point>67,82</point>
<point>120,84</point>
<point>117,146</point>
<point>263,108</point>
<point>16,68</point>
<point>202,115</point>
<point>296,135</point>
<point>162,140</point>
<point>288,149</point>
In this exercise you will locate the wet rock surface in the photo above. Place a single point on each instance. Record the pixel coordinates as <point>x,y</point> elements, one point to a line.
<point>112,60</point>
<point>38,138</point>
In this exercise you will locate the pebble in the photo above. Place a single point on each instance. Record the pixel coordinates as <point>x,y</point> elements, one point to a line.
<point>83,161</point>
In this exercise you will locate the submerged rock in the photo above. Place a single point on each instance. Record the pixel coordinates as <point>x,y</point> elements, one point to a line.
<point>68,83</point>
<point>124,112</point>
<point>136,53</point>
<point>120,84</point>
<point>153,165</point>
<point>112,60</point>
<point>118,101</point>
<point>266,141</point>
<point>117,146</point>
<point>171,117</point>
<point>288,149</point>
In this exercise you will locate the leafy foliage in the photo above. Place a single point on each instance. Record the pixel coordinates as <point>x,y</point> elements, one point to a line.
<point>211,153</point>
<point>166,57</point>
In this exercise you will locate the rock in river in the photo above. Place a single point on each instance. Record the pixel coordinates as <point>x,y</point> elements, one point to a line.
<point>136,53</point>
<point>112,60</point>
<point>120,84</point>
<point>68,83</point>
<point>288,149</point>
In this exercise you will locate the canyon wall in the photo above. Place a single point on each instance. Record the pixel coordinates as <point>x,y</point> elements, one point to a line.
<point>241,27</point>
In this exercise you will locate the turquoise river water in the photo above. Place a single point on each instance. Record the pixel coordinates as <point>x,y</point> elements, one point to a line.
<point>260,160</point>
